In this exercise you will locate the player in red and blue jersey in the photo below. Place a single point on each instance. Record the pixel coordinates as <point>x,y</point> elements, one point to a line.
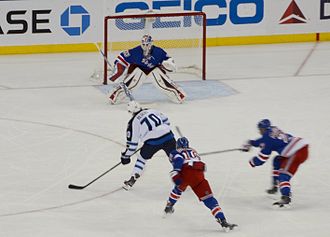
<point>292,152</point>
<point>188,170</point>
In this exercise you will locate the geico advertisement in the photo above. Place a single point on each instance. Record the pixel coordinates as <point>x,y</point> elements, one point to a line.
<point>49,22</point>
<point>81,21</point>
<point>242,17</point>
<point>224,17</point>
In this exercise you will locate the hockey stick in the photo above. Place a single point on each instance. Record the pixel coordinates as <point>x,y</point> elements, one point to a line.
<point>96,74</point>
<point>127,91</point>
<point>217,152</point>
<point>212,152</point>
<point>179,131</point>
<point>72,186</point>
<point>104,57</point>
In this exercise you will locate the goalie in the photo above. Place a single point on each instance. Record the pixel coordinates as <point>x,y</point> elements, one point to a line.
<point>145,61</point>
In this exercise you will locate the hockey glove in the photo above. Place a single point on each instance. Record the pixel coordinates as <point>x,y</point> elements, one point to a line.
<point>246,147</point>
<point>125,159</point>
<point>176,177</point>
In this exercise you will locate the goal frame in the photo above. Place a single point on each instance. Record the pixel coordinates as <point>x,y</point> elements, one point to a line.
<point>151,15</point>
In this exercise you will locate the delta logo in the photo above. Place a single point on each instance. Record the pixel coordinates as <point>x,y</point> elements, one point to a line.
<point>293,15</point>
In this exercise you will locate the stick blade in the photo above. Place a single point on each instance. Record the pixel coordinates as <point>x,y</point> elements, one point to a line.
<point>72,186</point>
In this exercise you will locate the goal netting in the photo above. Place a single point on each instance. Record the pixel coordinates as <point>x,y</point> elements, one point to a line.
<point>181,34</point>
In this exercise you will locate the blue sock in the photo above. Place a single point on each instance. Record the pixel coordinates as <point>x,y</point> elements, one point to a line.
<point>213,205</point>
<point>285,186</point>
<point>175,195</point>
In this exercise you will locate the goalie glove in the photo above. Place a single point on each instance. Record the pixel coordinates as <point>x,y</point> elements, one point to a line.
<point>169,65</point>
<point>176,177</point>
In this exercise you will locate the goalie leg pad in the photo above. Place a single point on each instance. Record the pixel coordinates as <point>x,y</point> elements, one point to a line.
<point>132,81</point>
<point>167,86</point>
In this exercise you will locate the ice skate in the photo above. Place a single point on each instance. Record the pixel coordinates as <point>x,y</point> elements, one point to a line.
<point>272,190</point>
<point>283,203</point>
<point>169,209</point>
<point>225,225</point>
<point>128,184</point>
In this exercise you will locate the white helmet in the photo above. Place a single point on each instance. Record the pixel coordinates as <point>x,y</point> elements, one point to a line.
<point>133,107</point>
<point>146,44</point>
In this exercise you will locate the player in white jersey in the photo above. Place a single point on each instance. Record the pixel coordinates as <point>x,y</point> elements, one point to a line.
<point>145,62</point>
<point>151,128</point>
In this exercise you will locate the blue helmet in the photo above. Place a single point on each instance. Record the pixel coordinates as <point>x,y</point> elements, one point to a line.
<point>182,142</point>
<point>265,123</point>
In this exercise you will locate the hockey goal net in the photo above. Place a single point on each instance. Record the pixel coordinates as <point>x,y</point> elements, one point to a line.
<point>181,34</point>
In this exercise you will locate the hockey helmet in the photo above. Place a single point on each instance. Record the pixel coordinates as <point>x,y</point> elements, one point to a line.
<point>265,123</point>
<point>146,44</point>
<point>133,107</point>
<point>182,142</point>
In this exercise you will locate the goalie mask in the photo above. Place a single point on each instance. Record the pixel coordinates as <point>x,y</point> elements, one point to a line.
<point>146,44</point>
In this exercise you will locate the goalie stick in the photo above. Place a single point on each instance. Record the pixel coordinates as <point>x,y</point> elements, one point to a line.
<point>104,57</point>
<point>73,186</point>
<point>96,74</point>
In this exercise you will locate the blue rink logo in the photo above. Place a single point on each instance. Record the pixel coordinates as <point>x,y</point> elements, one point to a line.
<point>75,13</point>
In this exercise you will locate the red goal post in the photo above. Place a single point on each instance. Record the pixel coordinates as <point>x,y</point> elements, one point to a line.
<point>181,34</point>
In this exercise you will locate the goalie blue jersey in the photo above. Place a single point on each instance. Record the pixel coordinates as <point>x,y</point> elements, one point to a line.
<point>135,56</point>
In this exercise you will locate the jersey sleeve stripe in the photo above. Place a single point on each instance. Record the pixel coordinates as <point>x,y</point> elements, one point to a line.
<point>263,157</point>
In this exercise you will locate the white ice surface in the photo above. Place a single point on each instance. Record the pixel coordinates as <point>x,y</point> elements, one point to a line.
<point>56,128</point>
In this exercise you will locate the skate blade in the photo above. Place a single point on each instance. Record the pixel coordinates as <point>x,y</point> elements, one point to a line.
<point>281,206</point>
<point>127,187</point>
<point>228,229</point>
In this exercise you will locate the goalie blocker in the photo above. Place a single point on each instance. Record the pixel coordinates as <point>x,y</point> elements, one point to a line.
<point>135,77</point>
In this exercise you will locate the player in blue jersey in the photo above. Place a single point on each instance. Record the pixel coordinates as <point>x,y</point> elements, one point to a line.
<point>151,128</point>
<point>188,170</point>
<point>145,61</point>
<point>292,152</point>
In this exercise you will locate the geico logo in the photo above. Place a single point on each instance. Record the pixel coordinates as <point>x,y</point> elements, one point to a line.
<point>233,9</point>
<point>17,22</point>
<point>325,9</point>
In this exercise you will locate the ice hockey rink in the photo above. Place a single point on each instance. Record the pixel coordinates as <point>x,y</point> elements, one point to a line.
<point>57,128</point>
